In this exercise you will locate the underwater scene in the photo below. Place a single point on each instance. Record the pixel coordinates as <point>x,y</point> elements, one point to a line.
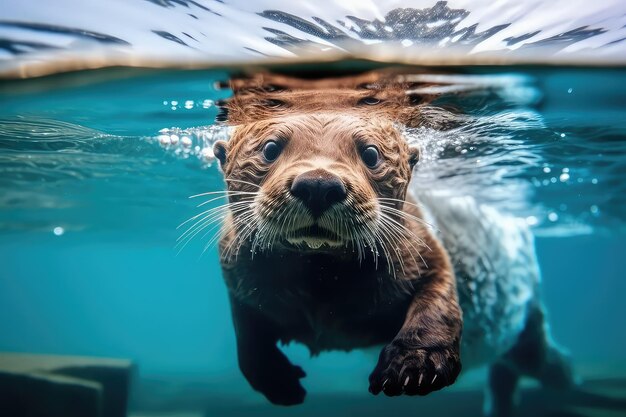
<point>191,227</point>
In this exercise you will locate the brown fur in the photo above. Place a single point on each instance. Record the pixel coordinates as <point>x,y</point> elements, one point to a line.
<point>404,297</point>
<point>264,96</point>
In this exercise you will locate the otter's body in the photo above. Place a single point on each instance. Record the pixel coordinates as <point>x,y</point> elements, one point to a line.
<point>329,300</point>
<point>323,245</point>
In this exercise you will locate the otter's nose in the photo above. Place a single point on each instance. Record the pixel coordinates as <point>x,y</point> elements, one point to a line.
<point>318,190</point>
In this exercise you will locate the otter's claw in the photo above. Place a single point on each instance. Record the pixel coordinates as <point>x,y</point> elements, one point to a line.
<point>403,370</point>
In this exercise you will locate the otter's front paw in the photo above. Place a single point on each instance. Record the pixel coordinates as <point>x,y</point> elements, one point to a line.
<point>275,377</point>
<point>414,371</point>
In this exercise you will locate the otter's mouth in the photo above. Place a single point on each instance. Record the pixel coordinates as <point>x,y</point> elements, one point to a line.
<point>314,237</point>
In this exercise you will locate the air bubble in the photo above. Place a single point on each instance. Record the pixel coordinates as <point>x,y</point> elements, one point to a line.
<point>58,231</point>
<point>564,177</point>
<point>553,217</point>
<point>207,154</point>
<point>531,220</point>
<point>164,140</point>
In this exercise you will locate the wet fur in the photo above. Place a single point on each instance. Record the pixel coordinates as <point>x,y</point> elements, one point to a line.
<point>331,300</point>
<point>264,96</point>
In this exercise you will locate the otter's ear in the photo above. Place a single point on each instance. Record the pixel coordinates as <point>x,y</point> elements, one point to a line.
<point>414,156</point>
<point>220,150</point>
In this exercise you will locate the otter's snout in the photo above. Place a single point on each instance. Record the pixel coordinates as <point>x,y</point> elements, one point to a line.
<point>318,190</point>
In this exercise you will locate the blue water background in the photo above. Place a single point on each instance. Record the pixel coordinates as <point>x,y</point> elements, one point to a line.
<point>113,285</point>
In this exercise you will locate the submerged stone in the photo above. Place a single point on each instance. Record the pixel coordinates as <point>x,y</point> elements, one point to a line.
<point>63,386</point>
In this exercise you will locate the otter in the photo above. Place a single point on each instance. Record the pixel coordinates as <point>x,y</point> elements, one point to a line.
<point>340,259</point>
<point>325,245</point>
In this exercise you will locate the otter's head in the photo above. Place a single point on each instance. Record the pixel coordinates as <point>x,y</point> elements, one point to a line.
<point>316,182</point>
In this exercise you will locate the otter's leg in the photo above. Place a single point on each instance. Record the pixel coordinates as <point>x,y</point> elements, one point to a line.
<point>502,384</point>
<point>424,355</point>
<point>533,355</point>
<point>265,367</point>
<point>536,355</point>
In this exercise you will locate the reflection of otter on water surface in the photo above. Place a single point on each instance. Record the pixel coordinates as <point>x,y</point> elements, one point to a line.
<point>318,173</point>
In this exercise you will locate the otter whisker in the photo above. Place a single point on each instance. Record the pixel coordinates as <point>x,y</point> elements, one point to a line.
<point>259,237</point>
<point>218,214</point>
<point>371,238</point>
<point>227,228</point>
<point>417,219</point>
<point>356,238</point>
<point>394,218</point>
<point>212,209</point>
<point>230,194</point>
<point>236,210</point>
<point>209,212</point>
<point>398,234</point>
<point>220,192</point>
<point>291,214</point>
<point>205,223</point>
<point>243,182</point>
<point>247,223</point>
<point>397,200</point>
<point>386,236</point>
<point>249,227</point>
<point>379,242</point>
<point>352,238</point>
<point>214,221</point>
<point>285,217</point>
<point>401,214</point>
<point>385,241</point>
<point>200,224</point>
<point>402,228</point>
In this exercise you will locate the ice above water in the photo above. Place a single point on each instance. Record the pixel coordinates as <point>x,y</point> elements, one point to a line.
<point>42,37</point>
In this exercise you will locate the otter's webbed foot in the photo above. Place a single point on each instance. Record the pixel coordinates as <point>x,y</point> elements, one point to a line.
<point>274,376</point>
<point>404,369</point>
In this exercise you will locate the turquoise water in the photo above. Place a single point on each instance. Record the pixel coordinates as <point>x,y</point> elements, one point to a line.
<point>91,197</point>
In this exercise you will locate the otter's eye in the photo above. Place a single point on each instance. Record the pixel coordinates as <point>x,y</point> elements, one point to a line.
<point>415,99</point>
<point>369,101</point>
<point>273,103</point>
<point>271,88</point>
<point>370,156</point>
<point>271,150</point>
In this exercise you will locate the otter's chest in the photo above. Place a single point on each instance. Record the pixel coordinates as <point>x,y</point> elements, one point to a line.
<point>325,305</point>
